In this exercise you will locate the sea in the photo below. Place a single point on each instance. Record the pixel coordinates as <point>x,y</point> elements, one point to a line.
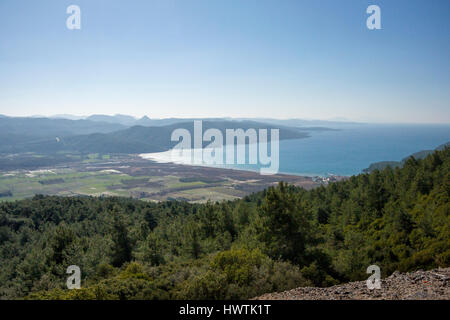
<point>348,149</point>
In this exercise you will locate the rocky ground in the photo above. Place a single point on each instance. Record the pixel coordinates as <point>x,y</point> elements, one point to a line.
<point>418,285</point>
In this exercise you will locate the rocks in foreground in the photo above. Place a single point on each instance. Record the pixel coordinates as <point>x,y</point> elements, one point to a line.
<point>418,285</point>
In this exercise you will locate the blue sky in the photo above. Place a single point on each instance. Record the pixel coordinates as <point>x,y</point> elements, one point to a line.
<point>310,59</point>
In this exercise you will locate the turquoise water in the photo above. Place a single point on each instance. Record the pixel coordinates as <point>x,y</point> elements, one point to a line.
<point>354,147</point>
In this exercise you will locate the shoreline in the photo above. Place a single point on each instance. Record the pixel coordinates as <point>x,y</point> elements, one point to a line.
<point>155,159</point>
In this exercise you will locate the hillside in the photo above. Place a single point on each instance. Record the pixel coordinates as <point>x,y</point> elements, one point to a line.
<point>396,164</point>
<point>282,238</point>
<point>152,122</point>
<point>140,139</point>
<point>118,118</point>
<point>418,285</point>
<point>18,134</point>
<point>46,127</point>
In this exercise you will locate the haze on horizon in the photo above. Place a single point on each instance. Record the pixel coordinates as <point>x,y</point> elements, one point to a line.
<point>238,59</point>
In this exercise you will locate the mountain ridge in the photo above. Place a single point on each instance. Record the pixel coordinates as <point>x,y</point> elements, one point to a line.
<point>136,139</point>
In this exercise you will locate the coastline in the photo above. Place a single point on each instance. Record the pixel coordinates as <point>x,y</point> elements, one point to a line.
<point>163,158</point>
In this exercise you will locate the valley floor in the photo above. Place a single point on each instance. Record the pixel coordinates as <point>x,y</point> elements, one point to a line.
<point>131,176</point>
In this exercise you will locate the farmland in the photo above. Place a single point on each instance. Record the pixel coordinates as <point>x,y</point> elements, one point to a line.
<point>131,176</point>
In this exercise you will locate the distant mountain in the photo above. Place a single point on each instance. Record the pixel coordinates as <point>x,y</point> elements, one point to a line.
<point>305,123</point>
<point>308,124</point>
<point>144,121</point>
<point>118,118</point>
<point>67,116</point>
<point>340,119</point>
<point>42,127</point>
<point>148,122</point>
<point>398,164</point>
<point>14,132</point>
<point>115,134</point>
<point>121,119</point>
<point>140,139</point>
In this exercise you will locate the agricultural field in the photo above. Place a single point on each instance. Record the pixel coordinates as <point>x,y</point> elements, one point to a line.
<point>131,176</point>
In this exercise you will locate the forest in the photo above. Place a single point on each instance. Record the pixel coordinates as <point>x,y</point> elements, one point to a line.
<point>278,239</point>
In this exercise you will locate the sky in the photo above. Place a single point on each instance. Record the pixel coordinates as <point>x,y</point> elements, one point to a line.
<point>310,59</point>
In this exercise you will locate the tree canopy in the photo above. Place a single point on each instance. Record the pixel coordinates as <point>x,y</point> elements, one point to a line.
<point>274,240</point>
